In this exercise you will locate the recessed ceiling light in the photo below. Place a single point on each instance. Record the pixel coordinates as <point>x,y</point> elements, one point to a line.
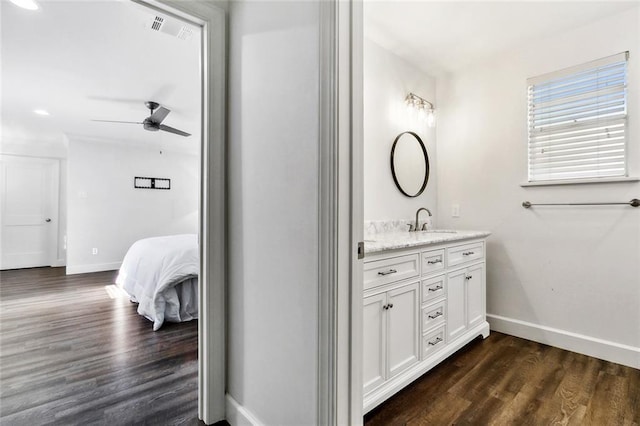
<point>26,4</point>
<point>41,111</point>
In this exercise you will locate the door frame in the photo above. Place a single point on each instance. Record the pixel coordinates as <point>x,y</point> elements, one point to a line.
<point>340,393</point>
<point>211,17</point>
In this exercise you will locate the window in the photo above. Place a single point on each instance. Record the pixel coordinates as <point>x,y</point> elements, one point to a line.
<point>578,122</point>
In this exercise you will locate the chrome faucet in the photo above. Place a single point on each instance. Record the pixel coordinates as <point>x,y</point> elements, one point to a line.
<point>417,224</point>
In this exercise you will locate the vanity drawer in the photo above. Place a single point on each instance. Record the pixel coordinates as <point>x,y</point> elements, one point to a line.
<point>432,261</point>
<point>433,341</point>
<point>433,315</point>
<point>390,270</point>
<point>433,288</point>
<point>465,253</point>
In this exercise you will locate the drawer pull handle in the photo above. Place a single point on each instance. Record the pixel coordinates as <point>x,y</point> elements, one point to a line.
<point>435,342</point>
<point>433,262</point>
<point>435,288</point>
<point>390,271</point>
<point>436,315</point>
<point>468,253</point>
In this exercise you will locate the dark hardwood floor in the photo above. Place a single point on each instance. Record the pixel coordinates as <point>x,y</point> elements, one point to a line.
<point>70,354</point>
<point>504,380</point>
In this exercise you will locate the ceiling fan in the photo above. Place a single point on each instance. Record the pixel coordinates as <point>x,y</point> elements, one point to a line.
<point>153,122</point>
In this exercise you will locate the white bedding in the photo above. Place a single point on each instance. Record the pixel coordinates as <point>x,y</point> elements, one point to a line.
<point>161,275</point>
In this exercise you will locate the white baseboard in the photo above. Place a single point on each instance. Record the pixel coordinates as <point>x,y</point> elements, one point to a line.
<point>237,415</point>
<point>94,267</point>
<point>597,348</point>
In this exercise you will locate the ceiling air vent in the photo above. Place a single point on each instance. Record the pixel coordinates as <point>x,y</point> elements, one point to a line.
<point>157,23</point>
<point>173,27</point>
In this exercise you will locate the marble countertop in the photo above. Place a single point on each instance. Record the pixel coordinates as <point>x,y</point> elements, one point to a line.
<point>379,242</point>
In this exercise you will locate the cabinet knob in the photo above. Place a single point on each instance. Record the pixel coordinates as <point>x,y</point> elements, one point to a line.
<point>390,305</point>
<point>435,342</point>
<point>47,219</point>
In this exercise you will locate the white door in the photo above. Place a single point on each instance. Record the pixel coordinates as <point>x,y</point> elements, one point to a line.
<point>403,336</point>
<point>475,295</point>
<point>374,341</point>
<point>28,211</point>
<point>456,306</point>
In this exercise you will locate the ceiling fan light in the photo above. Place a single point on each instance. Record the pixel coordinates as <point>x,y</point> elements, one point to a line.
<point>26,4</point>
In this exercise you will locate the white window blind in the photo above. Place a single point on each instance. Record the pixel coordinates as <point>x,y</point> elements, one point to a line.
<point>578,121</point>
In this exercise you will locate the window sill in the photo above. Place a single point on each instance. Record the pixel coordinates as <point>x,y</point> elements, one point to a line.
<point>580,181</point>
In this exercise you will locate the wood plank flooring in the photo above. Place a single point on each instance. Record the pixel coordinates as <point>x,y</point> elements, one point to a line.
<point>504,380</point>
<point>72,355</point>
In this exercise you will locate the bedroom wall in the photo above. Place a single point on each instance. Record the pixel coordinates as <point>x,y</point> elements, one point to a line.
<point>565,276</point>
<point>387,81</point>
<point>106,212</point>
<point>273,212</point>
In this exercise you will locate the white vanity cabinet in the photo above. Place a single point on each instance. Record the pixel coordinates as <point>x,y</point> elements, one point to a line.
<point>421,304</point>
<point>466,299</point>
<point>391,332</point>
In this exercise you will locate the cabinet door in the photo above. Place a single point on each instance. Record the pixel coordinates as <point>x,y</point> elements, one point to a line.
<point>374,341</point>
<point>456,307</point>
<point>404,328</point>
<point>475,295</point>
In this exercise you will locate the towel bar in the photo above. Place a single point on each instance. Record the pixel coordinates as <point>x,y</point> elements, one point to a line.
<point>633,203</point>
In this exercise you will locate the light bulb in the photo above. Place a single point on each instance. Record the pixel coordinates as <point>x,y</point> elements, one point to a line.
<point>431,118</point>
<point>422,114</point>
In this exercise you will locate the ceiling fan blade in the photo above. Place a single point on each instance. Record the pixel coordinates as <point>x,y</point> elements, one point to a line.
<point>172,130</point>
<point>113,121</point>
<point>159,115</point>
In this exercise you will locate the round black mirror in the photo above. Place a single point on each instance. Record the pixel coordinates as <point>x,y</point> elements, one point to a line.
<point>409,164</point>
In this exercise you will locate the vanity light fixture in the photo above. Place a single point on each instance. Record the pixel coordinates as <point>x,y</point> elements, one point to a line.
<point>26,4</point>
<point>423,106</point>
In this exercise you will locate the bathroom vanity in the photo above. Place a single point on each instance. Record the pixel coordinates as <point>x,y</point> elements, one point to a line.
<point>424,298</point>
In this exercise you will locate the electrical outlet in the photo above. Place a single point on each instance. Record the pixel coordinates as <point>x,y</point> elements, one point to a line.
<point>94,251</point>
<point>455,210</point>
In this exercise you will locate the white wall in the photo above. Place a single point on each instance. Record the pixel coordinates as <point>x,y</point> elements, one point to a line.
<point>105,211</point>
<point>387,81</point>
<point>273,212</point>
<point>569,276</point>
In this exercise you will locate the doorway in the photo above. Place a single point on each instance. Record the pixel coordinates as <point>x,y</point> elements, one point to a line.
<point>211,19</point>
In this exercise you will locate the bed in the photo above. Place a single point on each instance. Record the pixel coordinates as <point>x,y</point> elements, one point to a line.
<point>161,275</point>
